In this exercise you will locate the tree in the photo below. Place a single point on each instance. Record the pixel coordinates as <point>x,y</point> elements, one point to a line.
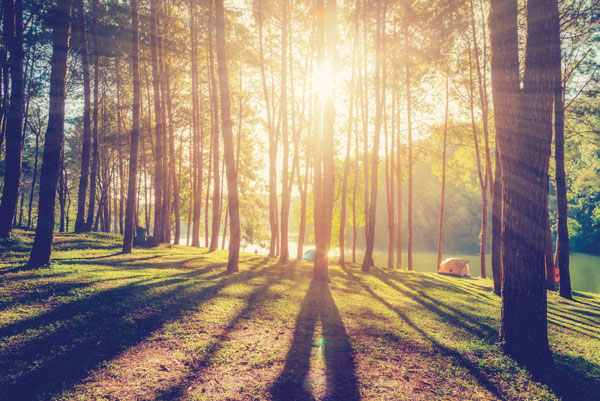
<point>323,136</point>
<point>95,147</point>
<point>524,129</point>
<point>135,131</point>
<point>232,179</point>
<point>285,188</point>
<point>214,102</point>
<point>349,142</point>
<point>13,37</point>
<point>562,235</point>
<point>87,133</point>
<point>51,159</point>
<point>370,239</point>
<point>443,192</point>
<point>158,128</point>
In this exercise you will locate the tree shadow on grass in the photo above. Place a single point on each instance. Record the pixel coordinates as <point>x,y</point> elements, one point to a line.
<point>253,302</point>
<point>460,359</point>
<point>452,315</point>
<point>46,354</point>
<point>342,384</point>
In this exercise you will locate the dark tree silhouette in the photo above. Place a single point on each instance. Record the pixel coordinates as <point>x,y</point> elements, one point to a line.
<point>13,38</point>
<point>51,161</point>
<point>135,131</point>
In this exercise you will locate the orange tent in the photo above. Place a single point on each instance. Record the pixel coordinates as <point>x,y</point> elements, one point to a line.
<point>455,267</point>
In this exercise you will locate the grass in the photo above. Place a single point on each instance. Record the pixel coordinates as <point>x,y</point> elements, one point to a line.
<point>166,323</point>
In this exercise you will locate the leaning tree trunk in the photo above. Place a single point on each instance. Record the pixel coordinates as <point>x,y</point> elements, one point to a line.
<point>13,38</point>
<point>42,244</point>
<point>232,184</point>
<point>135,130</point>
<point>87,133</point>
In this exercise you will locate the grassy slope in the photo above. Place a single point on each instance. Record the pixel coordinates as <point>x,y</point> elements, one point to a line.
<point>166,323</point>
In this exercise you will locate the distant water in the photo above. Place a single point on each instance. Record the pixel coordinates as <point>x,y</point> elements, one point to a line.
<point>585,268</point>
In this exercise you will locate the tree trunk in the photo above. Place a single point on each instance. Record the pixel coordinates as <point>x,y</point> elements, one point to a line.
<point>399,174</point>
<point>443,193</point>
<point>135,131</point>
<point>524,149</point>
<point>33,180</point>
<point>122,199</point>
<point>349,140</point>
<point>370,240</point>
<point>285,193</point>
<point>410,163</point>
<point>216,202</point>
<point>13,38</point>
<point>549,255</point>
<point>95,151</point>
<point>497,226</point>
<point>165,233</point>
<point>158,170</point>
<point>232,184</point>
<point>61,191</point>
<point>87,133</point>
<point>324,130</point>
<point>196,180</point>
<point>562,232</point>
<point>42,244</point>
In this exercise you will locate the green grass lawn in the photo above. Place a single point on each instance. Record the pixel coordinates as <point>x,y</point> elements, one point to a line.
<point>584,268</point>
<point>166,323</point>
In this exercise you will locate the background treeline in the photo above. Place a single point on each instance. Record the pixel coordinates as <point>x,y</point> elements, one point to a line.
<point>437,43</point>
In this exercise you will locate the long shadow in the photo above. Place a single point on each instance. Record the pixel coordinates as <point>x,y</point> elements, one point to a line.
<point>46,354</point>
<point>454,316</point>
<point>253,302</point>
<point>439,347</point>
<point>342,384</point>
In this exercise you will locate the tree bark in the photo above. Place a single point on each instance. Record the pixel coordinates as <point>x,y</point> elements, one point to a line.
<point>158,128</point>
<point>349,140</point>
<point>13,37</point>
<point>42,244</point>
<point>562,232</point>
<point>523,135</point>
<point>443,192</point>
<point>410,164</point>
<point>135,131</point>
<point>196,151</point>
<point>232,184</point>
<point>87,133</point>
<point>370,240</point>
<point>324,130</point>
<point>216,202</point>
<point>285,192</point>
<point>497,226</point>
<point>95,151</point>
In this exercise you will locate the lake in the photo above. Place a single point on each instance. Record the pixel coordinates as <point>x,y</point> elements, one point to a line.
<point>585,268</point>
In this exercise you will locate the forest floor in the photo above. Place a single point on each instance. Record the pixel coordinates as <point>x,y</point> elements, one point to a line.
<point>166,323</point>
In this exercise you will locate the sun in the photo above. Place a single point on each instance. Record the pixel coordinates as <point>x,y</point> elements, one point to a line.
<point>323,82</point>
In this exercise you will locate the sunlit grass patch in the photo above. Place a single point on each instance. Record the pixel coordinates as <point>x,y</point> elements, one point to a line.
<point>167,323</point>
